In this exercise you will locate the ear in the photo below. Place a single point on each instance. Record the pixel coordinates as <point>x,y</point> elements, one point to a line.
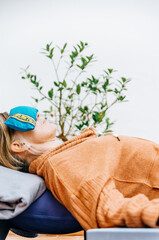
<point>18,147</point>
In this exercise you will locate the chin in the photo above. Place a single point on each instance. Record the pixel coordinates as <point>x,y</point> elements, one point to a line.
<point>53,129</point>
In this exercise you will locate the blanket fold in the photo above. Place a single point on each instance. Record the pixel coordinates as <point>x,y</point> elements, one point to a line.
<point>17,191</point>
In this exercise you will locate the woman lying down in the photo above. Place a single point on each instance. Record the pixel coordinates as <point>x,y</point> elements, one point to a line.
<point>103,181</point>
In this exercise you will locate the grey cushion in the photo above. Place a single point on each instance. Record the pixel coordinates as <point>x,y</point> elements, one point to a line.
<point>17,191</point>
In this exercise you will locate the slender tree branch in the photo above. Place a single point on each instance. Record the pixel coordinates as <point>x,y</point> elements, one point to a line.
<point>51,101</point>
<point>59,62</point>
<point>55,70</point>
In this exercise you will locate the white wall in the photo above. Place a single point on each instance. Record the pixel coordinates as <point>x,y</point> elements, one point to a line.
<point>124,35</point>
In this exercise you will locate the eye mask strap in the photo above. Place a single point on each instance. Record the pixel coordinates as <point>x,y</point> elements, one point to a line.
<point>33,150</point>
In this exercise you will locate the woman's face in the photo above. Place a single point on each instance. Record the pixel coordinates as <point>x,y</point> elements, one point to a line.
<point>44,131</point>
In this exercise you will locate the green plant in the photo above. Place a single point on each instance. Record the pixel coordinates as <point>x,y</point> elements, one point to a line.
<point>78,99</point>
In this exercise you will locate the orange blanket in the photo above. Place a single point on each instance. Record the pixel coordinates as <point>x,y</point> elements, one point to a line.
<point>104,182</point>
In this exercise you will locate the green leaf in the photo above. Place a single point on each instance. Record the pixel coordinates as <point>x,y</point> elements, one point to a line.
<point>49,56</point>
<point>102,105</point>
<point>79,66</point>
<point>107,121</point>
<point>68,110</point>
<point>47,47</point>
<point>27,67</point>
<point>123,79</point>
<point>108,125</point>
<point>63,49</point>
<point>51,53</point>
<point>71,96</point>
<point>37,84</point>
<point>74,53</point>
<point>64,83</point>
<point>95,116</point>
<point>121,83</point>
<point>84,118</point>
<point>101,115</point>
<point>106,72</point>
<point>86,123</point>
<point>95,81</point>
<point>46,111</point>
<point>121,98</point>
<point>81,109</point>
<point>32,78</point>
<point>56,84</point>
<point>116,91</point>
<point>98,116</point>
<point>60,89</point>
<point>110,70</point>
<point>79,126</point>
<point>83,60</point>
<point>83,84</point>
<point>104,86</point>
<point>23,77</point>
<point>50,93</point>
<point>82,44</point>
<point>89,57</point>
<point>78,89</point>
<point>35,99</point>
<point>42,98</point>
<point>86,108</point>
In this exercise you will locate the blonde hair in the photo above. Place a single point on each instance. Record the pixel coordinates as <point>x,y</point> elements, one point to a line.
<point>7,157</point>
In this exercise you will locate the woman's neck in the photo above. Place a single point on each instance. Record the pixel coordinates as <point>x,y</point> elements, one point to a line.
<point>36,150</point>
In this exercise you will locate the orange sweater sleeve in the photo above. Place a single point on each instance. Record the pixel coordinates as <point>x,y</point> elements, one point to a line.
<point>116,210</point>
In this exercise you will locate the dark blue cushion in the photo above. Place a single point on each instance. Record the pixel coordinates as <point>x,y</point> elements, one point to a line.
<point>46,215</point>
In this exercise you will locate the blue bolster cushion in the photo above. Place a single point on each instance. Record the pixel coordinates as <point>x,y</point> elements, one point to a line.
<point>46,215</point>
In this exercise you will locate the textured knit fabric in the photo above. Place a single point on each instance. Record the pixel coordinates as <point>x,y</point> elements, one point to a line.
<point>102,181</point>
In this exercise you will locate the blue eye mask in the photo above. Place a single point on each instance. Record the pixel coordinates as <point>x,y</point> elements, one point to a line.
<point>22,118</point>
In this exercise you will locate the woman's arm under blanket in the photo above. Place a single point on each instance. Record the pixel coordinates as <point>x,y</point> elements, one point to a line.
<point>116,210</point>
